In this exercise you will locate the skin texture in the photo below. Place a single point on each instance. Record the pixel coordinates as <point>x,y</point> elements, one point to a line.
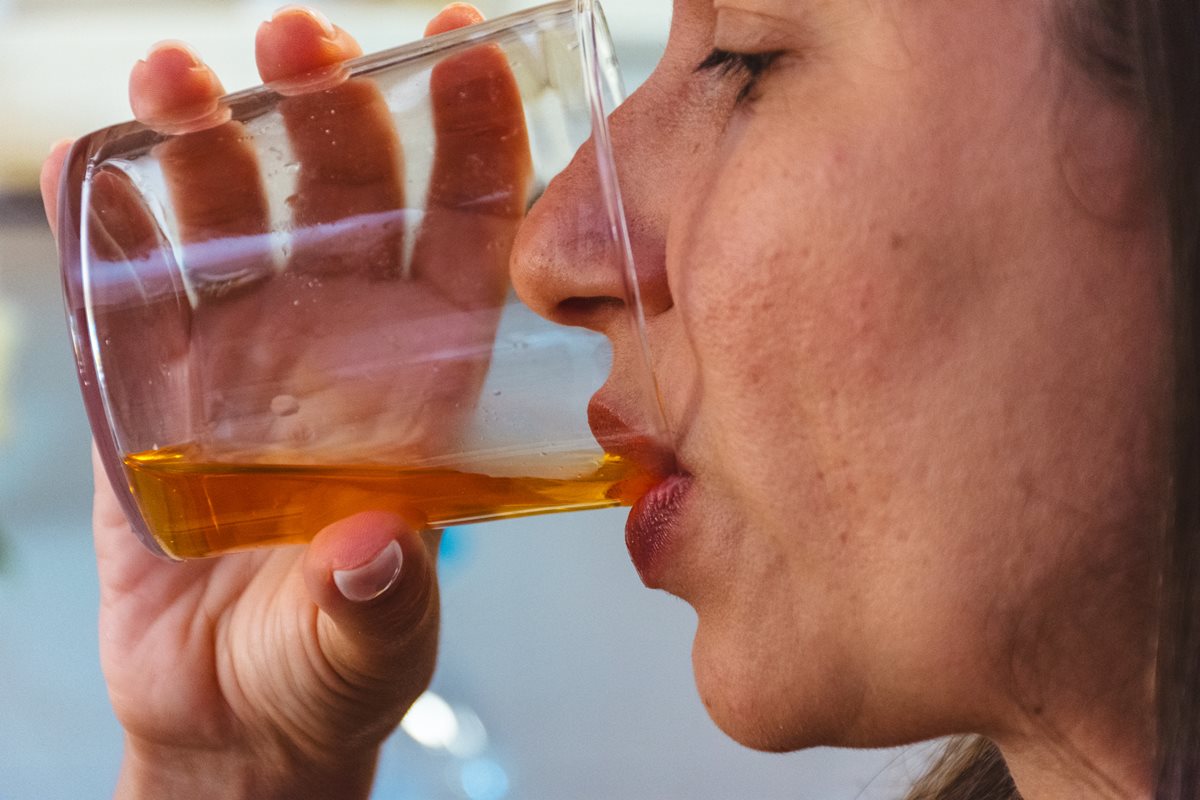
<point>906,304</point>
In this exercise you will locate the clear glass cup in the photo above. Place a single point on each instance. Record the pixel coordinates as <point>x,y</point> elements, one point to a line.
<point>298,308</point>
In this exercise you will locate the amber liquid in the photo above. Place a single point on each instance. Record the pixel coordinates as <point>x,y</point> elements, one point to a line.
<point>196,507</point>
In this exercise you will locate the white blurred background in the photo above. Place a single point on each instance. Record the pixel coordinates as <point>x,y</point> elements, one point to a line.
<point>561,678</point>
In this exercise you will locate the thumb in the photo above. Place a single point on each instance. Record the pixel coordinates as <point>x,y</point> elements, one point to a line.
<point>374,579</point>
<point>52,169</point>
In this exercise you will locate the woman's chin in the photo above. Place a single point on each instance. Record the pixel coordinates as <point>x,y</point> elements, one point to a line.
<point>774,704</point>
<point>738,692</point>
<point>746,720</point>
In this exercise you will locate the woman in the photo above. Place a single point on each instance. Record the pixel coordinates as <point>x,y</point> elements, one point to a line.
<point>919,286</point>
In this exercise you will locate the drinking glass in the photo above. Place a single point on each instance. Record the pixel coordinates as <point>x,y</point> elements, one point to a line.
<point>299,307</point>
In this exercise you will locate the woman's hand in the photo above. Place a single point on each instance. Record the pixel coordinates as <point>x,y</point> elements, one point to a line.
<point>278,673</point>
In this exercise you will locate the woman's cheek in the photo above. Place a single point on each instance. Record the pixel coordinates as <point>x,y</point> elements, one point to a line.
<point>746,260</point>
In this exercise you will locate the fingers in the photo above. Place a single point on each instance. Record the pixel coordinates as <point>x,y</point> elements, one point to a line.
<point>455,15</point>
<point>375,582</point>
<point>348,153</point>
<point>124,563</point>
<point>297,40</point>
<point>212,170</point>
<point>217,193</point>
<point>346,145</point>
<point>210,167</point>
<point>172,90</point>
<point>119,228</point>
<point>481,172</point>
<point>52,169</point>
<point>350,170</point>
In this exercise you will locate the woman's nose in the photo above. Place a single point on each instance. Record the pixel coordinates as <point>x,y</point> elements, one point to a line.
<point>569,259</point>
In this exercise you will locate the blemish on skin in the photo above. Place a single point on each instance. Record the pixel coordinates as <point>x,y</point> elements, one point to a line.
<point>898,241</point>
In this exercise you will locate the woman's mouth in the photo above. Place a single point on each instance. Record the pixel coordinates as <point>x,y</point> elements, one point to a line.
<point>652,520</point>
<point>652,526</point>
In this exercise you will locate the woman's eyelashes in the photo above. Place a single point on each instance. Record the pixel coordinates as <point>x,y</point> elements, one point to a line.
<point>748,67</point>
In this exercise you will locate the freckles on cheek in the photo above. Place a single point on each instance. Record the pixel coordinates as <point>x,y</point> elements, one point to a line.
<point>729,304</point>
<point>737,265</point>
<point>792,254</point>
<point>893,302</point>
<point>852,322</point>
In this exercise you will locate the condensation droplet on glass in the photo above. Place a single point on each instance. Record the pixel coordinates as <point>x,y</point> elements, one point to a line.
<point>291,166</point>
<point>295,302</point>
<point>284,405</point>
<point>496,393</point>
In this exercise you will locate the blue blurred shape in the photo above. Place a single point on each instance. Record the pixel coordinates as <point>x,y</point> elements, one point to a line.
<point>455,548</point>
<point>484,779</point>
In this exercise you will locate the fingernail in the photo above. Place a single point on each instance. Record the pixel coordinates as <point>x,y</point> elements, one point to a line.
<point>182,51</point>
<point>314,15</point>
<point>373,578</point>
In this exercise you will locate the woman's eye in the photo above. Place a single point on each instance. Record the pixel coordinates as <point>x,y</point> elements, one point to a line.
<point>747,67</point>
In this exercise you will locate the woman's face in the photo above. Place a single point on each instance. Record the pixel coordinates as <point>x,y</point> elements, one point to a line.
<point>905,302</point>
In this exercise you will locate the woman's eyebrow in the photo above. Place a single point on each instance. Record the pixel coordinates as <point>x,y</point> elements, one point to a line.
<point>755,25</point>
<point>781,9</point>
<point>788,17</point>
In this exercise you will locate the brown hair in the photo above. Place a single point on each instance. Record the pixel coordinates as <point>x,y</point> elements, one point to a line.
<point>1147,53</point>
<point>970,768</point>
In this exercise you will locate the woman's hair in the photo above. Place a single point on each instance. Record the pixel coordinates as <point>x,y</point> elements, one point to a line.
<point>970,768</point>
<point>1147,54</point>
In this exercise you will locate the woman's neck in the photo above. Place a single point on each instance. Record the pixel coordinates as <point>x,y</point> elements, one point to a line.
<point>1100,751</point>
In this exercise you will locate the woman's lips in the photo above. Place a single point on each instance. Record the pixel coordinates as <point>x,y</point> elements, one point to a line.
<point>651,456</point>
<point>652,520</point>
<point>653,526</point>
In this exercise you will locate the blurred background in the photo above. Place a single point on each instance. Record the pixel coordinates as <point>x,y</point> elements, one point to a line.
<point>560,676</point>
